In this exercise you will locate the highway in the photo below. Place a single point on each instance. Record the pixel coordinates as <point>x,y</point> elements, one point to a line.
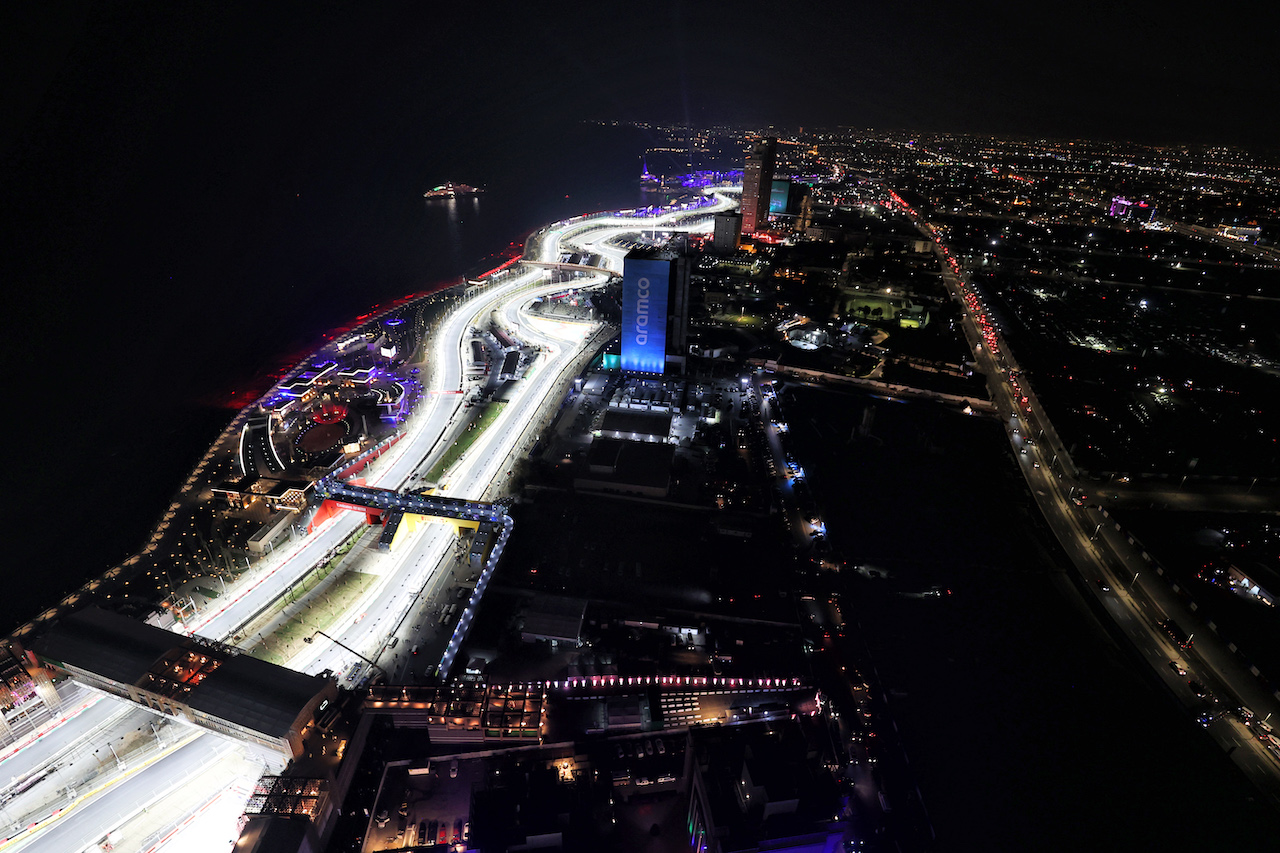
<point>416,569</point>
<point>1135,599</point>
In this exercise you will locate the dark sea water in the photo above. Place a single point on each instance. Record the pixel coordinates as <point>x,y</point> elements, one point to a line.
<point>196,202</point>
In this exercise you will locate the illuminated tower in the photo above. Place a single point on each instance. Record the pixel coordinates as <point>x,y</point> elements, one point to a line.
<point>757,183</point>
<point>655,311</point>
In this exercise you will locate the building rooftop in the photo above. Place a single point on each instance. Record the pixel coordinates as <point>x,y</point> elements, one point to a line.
<point>637,424</point>
<point>113,646</point>
<point>256,694</point>
<point>614,463</point>
<point>554,618</point>
<point>650,253</point>
<point>204,675</point>
<point>764,782</point>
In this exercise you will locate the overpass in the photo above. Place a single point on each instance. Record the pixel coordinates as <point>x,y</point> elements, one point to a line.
<point>404,511</point>
<point>383,502</point>
<point>206,683</point>
<point>556,265</point>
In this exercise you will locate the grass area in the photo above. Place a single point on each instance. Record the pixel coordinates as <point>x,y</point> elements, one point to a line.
<point>464,441</point>
<point>308,582</point>
<point>320,615</point>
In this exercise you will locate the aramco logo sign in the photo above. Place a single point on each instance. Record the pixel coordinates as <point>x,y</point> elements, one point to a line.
<point>645,283</point>
<point>642,311</point>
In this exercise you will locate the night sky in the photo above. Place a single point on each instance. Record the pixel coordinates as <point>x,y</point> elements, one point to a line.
<point>1142,71</point>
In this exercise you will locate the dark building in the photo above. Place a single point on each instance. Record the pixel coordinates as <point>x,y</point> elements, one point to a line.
<point>757,185</point>
<point>728,232</point>
<point>762,787</point>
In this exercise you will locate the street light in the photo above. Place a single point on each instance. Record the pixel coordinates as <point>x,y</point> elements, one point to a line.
<point>312,638</point>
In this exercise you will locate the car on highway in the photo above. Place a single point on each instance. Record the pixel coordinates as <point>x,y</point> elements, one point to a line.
<point>1177,667</point>
<point>1105,587</point>
<point>453,769</point>
<point>1200,690</point>
<point>1079,500</point>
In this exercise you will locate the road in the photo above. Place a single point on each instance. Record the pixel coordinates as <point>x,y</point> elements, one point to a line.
<point>97,814</point>
<point>1136,599</point>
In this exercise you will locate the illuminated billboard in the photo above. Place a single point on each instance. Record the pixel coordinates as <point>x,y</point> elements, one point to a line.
<point>779,191</point>
<point>645,282</point>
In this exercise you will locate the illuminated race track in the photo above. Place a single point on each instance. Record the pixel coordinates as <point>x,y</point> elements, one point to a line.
<point>406,574</point>
<point>414,567</point>
<point>415,564</point>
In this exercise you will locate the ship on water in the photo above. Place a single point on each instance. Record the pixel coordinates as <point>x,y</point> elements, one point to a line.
<point>452,190</point>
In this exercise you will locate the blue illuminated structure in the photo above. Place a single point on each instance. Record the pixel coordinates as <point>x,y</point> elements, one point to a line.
<point>779,195</point>
<point>646,283</point>
<point>696,180</point>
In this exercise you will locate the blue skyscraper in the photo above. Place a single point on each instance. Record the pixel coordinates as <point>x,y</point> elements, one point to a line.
<point>654,311</point>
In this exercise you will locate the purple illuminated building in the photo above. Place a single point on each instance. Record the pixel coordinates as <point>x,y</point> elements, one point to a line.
<point>1122,208</point>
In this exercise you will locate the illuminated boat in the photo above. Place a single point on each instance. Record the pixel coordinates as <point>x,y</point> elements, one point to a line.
<point>452,190</point>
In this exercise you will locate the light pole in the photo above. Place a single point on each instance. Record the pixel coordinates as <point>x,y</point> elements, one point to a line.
<point>312,638</point>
